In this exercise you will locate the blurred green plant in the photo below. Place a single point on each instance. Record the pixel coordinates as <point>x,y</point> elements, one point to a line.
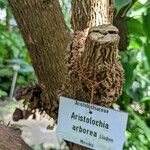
<point>12,52</point>
<point>136,91</point>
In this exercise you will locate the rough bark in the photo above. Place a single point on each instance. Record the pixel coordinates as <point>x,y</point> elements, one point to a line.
<point>46,36</point>
<point>90,13</point>
<point>10,139</point>
<point>93,64</point>
<point>93,60</point>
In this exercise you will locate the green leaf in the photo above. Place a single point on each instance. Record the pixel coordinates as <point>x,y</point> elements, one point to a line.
<point>6,85</point>
<point>147,52</point>
<point>145,99</point>
<point>6,72</point>
<point>135,42</point>
<point>121,3</point>
<point>2,47</point>
<point>146,23</point>
<point>3,3</point>
<point>2,27</point>
<point>141,124</point>
<point>2,93</point>
<point>137,6</point>
<point>21,80</point>
<point>128,76</point>
<point>135,27</point>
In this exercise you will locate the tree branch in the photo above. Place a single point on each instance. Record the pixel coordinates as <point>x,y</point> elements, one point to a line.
<point>46,36</point>
<point>10,138</point>
<point>87,13</point>
<point>95,74</point>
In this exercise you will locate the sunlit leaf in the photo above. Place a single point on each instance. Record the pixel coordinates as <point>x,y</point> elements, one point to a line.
<point>3,3</point>
<point>6,72</point>
<point>2,93</point>
<point>145,99</point>
<point>141,124</point>
<point>135,27</point>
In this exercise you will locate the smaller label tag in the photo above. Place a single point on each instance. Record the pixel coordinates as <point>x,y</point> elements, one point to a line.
<point>102,129</point>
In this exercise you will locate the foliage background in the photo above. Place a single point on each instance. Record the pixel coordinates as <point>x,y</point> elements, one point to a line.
<point>135,59</point>
<point>13,53</point>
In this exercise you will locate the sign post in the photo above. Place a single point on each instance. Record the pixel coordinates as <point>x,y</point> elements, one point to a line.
<point>100,129</point>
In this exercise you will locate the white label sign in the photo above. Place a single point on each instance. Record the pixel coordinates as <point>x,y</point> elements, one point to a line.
<point>103,129</point>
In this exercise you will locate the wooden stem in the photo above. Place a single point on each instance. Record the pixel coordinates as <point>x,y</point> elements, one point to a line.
<point>46,36</point>
<point>10,139</point>
<point>90,13</point>
<point>95,74</point>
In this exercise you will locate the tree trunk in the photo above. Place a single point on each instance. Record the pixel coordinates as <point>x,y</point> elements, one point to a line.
<point>93,60</point>
<point>90,13</point>
<point>46,36</point>
<point>10,139</point>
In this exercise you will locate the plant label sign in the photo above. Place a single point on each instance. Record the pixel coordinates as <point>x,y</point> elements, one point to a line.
<point>100,128</point>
